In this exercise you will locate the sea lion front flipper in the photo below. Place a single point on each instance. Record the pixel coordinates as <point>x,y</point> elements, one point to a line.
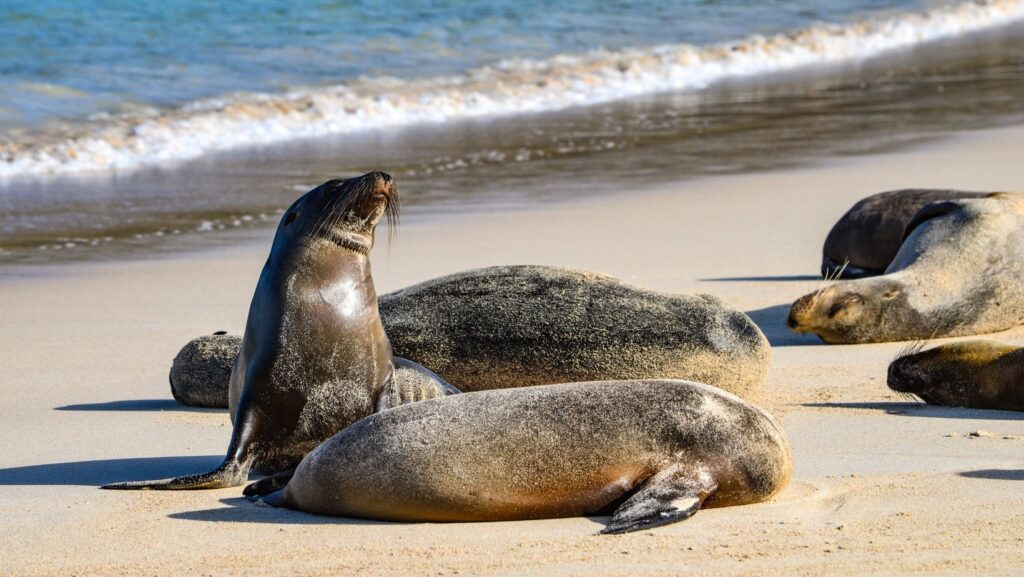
<point>412,382</point>
<point>669,496</point>
<point>230,474</point>
<point>268,485</point>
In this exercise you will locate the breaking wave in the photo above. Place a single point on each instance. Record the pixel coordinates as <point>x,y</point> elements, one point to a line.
<point>128,141</point>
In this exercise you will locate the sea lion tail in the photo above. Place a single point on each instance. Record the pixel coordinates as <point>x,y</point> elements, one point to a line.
<point>230,474</point>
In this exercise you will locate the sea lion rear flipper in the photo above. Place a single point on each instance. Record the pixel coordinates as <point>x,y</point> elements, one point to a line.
<point>669,496</point>
<point>268,485</point>
<point>412,382</point>
<point>272,499</point>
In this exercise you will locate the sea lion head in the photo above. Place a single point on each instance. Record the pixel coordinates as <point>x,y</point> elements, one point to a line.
<point>343,212</point>
<point>839,312</point>
<point>965,374</point>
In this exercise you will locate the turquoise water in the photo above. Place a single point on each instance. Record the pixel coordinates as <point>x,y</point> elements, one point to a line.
<point>73,58</point>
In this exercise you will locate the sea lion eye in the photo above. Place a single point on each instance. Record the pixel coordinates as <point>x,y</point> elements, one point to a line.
<point>290,218</point>
<point>842,304</point>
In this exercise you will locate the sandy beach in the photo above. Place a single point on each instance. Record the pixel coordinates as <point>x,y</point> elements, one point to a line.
<point>881,486</point>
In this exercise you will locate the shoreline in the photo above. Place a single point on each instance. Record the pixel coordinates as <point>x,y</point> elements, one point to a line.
<point>879,485</point>
<point>741,126</point>
<point>246,243</point>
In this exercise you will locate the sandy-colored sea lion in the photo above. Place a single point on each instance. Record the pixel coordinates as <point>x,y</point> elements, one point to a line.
<point>655,451</point>
<point>514,326</point>
<point>201,370</point>
<point>865,240</point>
<point>314,358</point>
<point>201,373</point>
<point>960,271</point>
<point>978,374</point>
<point>517,326</point>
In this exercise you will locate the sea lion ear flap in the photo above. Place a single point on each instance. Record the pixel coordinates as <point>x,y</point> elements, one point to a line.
<point>928,212</point>
<point>671,495</point>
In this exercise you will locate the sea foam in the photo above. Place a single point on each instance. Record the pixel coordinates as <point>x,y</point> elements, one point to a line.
<point>509,87</point>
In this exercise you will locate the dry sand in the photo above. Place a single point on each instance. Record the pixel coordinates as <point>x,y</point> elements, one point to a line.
<point>880,486</point>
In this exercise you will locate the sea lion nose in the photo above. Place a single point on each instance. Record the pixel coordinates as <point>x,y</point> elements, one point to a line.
<point>380,177</point>
<point>791,322</point>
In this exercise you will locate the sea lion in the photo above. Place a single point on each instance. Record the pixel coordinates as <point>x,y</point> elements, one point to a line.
<point>960,271</point>
<point>513,326</point>
<point>314,357</point>
<point>201,370</point>
<point>654,451</point>
<point>865,240</point>
<point>978,374</point>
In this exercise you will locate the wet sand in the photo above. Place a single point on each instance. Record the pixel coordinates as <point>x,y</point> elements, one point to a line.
<point>880,485</point>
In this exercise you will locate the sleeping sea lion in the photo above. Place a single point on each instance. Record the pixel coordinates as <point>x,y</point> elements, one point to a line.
<point>655,452</point>
<point>960,271</point>
<point>977,374</point>
<point>515,326</point>
<point>865,240</point>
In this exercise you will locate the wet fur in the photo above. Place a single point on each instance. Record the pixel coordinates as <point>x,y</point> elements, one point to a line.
<point>314,357</point>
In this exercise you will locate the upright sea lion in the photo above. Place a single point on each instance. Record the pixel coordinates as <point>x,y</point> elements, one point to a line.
<point>655,451</point>
<point>960,271</point>
<point>866,239</point>
<point>979,374</point>
<point>514,326</point>
<point>314,358</point>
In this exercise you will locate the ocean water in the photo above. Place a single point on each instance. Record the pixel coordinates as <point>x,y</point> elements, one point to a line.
<point>73,58</point>
<point>125,124</point>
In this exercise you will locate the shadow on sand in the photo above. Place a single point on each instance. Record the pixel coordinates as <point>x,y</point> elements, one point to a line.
<point>912,409</point>
<point>105,471</point>
<point>995,474</point>
<point>772,322</point>
<point>138,405</point>
<point>240,510</point>
<point>780,278</point>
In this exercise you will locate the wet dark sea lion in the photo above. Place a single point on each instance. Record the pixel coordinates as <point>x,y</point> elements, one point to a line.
<point>865,240</point>
<point>654,451</point>
<point>515,326</point>
<point>314,358</point>
<point>978,374</point>
<point>960,271</point>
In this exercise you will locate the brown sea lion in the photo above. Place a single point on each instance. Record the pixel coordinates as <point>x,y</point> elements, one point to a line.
<point>865,240</point>
<point>654,451</point>
<point>978,374</point>
<point>314,358</point>
<point>514,326</point>
<point>960,271</point>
